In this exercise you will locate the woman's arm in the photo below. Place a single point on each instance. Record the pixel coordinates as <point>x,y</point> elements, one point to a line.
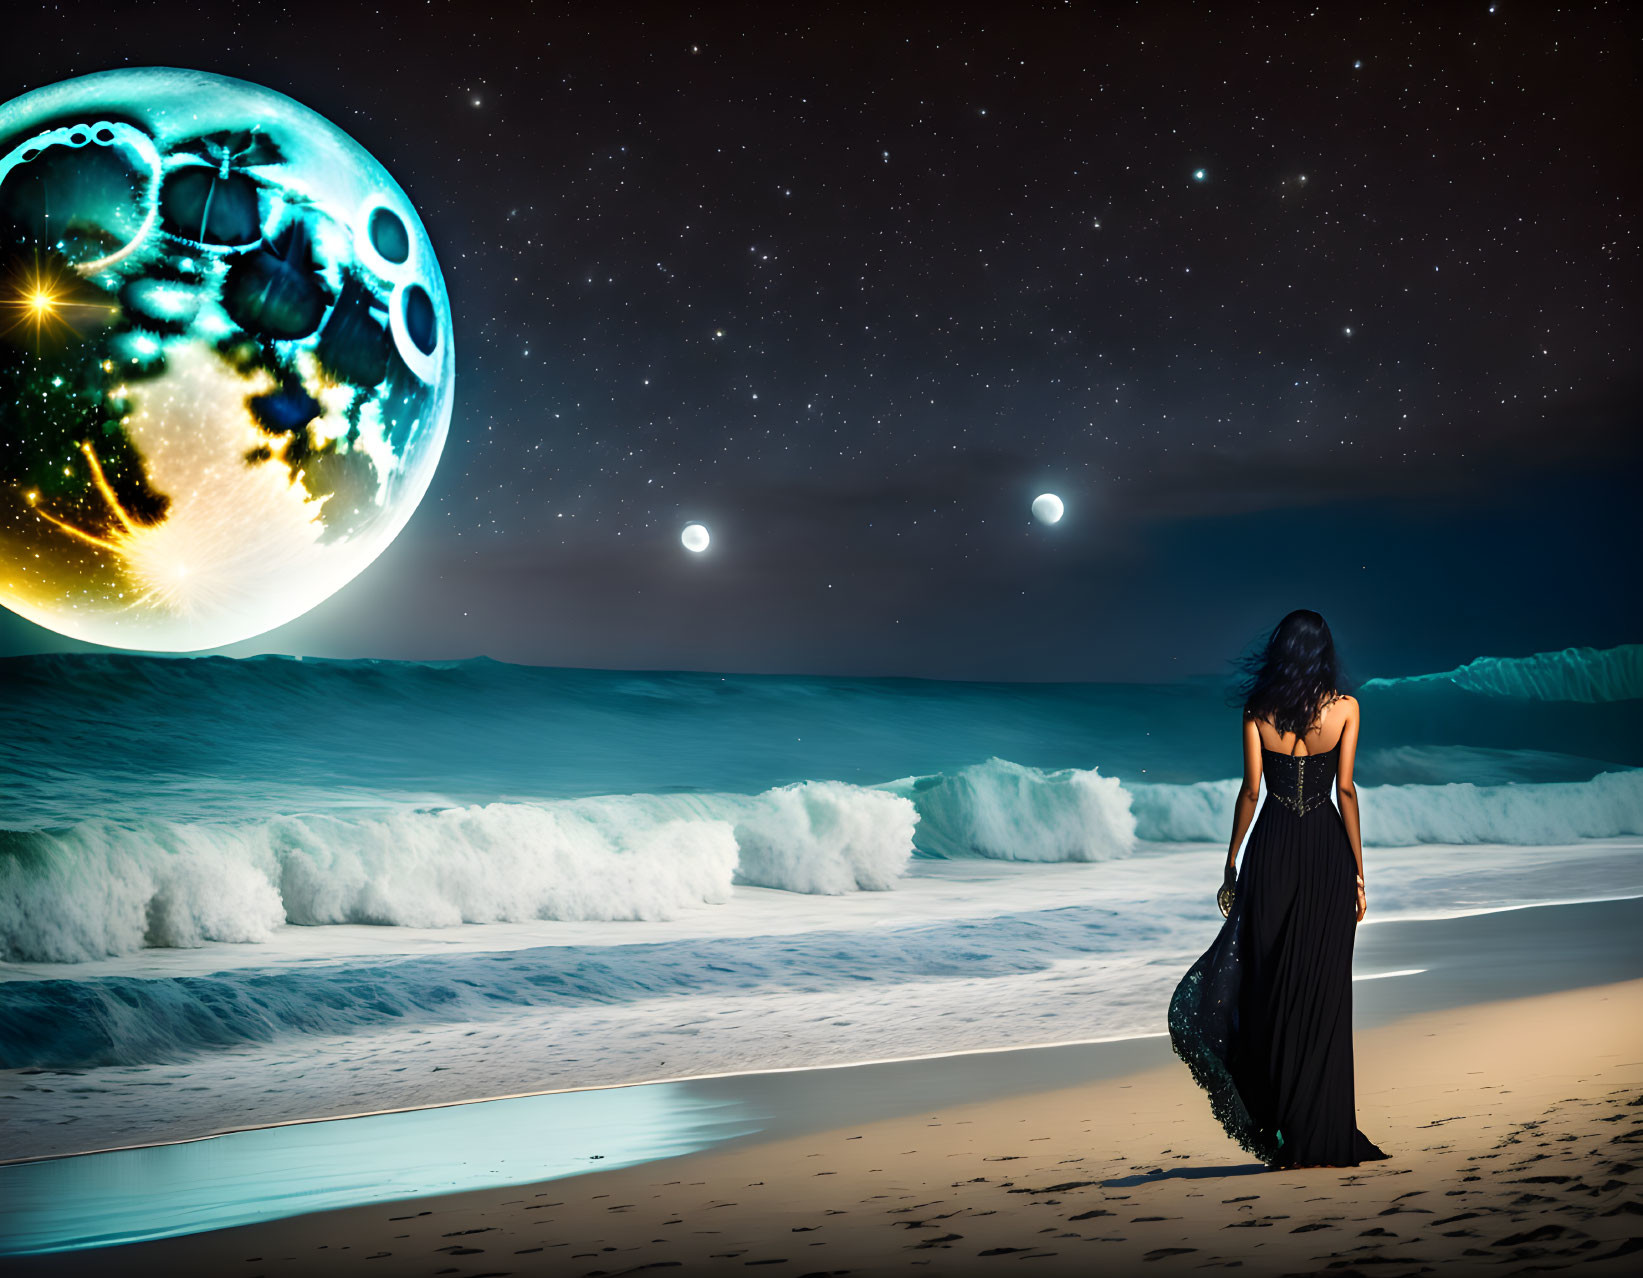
<point>1249,794</point>
<point>1347,793</point>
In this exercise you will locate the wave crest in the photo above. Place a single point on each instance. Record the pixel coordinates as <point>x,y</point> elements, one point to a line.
<point>825,837</point>
<point>1591,675</point>
<point>101,887</point>
<point>1009,812</point>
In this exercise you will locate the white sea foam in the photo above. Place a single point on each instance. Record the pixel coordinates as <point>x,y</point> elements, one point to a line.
<point>502,862</point>
<point>1609,805</point>
<point>825,837</point>
<point>102,887</point>
<point>1008,812</point>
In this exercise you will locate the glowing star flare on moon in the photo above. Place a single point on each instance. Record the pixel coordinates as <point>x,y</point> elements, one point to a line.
<point>694,538</point>
<point>225,359</point>
<point>1047,508</point>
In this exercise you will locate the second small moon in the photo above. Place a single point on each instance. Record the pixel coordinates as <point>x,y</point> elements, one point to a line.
<point>1047,508</point>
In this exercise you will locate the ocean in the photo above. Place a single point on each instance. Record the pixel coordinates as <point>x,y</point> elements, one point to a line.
<point>243,891</point>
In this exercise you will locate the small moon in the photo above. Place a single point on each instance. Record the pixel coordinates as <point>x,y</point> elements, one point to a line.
<point>694,538</point>
<point>1047,508</point>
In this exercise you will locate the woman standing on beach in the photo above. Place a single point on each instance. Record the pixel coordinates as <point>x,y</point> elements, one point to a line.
<point>1264,1018</point>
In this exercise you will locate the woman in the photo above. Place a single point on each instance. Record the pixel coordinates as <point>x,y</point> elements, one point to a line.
<point>1264,1018</point>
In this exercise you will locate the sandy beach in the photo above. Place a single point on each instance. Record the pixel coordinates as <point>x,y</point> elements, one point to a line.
<point>1515,1129</point>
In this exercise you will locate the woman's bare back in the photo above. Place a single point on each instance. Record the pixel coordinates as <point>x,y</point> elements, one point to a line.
<point>1324,734</point>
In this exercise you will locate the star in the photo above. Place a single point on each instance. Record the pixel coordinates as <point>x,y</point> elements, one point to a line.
<point>1198,175</point>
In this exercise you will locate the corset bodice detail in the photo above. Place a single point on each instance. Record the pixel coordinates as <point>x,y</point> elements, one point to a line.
<point>1301,782</point>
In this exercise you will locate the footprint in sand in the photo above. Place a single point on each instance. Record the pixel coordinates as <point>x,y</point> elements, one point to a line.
<point>1625,1249</point>
<point>1546,1233</point>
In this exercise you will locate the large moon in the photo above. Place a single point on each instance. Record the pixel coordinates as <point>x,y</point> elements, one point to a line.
<point>1047,508</point>
<point>694,538</point>
<point>225,359</point>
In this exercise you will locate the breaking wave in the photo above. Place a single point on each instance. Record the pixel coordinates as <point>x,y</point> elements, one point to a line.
<point>102,888</point>
<point>1608,805</point>
<point>1591,675</point>
<point>1008,812</point>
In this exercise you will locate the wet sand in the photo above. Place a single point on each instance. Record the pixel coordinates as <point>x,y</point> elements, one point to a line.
<point>1515,1128</point>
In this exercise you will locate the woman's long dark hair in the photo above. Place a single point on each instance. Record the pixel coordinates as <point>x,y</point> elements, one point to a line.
<point>1295,670</point>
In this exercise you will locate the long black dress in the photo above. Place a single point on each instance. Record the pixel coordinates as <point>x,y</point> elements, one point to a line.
<point>1264,1018</point>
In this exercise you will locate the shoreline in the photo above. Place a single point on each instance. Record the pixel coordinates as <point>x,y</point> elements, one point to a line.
<point>611,1087</point>
<point>1474,961</point>
<point>299,1079</point>
<point>1480,912</point>
<point>1518,1143</point>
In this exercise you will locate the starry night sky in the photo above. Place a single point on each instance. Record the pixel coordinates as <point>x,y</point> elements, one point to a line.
<point>1330,307</point>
